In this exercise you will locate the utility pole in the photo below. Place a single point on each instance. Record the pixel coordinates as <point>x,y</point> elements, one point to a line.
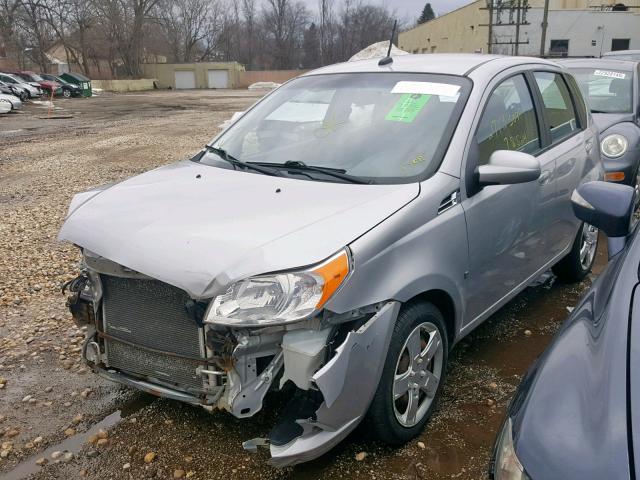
<point>514,8</point>
<point>490,39</point>
<point>543,37</point>
<point>518,27</point>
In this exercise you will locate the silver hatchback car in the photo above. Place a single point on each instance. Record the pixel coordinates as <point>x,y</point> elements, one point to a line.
<point>336,241</point>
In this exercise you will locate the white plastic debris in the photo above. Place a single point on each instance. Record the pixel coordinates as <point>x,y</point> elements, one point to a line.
<point>264,86</point>
<point>234,117</point>
<point>377,50</point>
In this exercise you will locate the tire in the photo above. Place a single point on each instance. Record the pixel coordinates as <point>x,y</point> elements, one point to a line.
<point>66,93</point>
<point>575,266</point>
<point>389,419</point>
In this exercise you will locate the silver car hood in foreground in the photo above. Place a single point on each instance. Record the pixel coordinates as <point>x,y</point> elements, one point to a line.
<point>200,228</point>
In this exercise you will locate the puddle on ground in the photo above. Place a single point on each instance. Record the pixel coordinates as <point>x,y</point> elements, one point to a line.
<point>75,443</point>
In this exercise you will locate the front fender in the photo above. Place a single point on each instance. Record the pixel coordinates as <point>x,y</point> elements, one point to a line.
<point>630,161</point>
<point>415,251</point>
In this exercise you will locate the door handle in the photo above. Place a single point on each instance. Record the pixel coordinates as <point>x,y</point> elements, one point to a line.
<point>588,146</point>
<point>544,177</point>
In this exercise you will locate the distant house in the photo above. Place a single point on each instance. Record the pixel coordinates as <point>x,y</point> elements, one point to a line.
<point>99,66</point>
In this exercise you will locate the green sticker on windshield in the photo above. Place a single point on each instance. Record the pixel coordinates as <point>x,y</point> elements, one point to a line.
<point>407,107</point>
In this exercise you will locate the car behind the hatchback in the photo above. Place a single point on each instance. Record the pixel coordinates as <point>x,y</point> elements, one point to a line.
<point>612,91</point>
<point>575,414</point>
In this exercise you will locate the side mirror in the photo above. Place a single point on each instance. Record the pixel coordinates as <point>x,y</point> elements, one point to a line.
<point>507,167</point>
<point>608,207</point>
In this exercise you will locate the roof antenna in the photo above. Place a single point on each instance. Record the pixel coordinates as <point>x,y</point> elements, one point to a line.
<point>387,60</point>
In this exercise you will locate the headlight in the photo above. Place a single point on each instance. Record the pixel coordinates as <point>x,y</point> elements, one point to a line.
<point>507,466</point>
<point>614,145</point>
<point>280,297</point>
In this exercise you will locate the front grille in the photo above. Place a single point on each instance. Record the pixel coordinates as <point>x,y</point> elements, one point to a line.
<point>151,314</point>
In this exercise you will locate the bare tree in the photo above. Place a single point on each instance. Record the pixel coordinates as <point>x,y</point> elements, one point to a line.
<point>8,15</point>
<point>285,22</point>
<point>326,31</point>
<point>38,32</point>
<point>249,17</point>
<point>125,20</point>
<point>187,24</point>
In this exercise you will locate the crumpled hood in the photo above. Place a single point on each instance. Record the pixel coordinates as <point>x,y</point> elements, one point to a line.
<point>200,228</point>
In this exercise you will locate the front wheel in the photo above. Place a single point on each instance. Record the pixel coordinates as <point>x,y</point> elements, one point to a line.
<point>412,376</point>
<point>66,93</point>
<point>577,264</point>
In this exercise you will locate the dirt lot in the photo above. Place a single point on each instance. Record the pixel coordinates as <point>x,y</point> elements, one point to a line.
<point>58,421</point>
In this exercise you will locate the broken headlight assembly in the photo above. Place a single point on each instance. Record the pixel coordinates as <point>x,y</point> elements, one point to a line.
<point>281,297</point>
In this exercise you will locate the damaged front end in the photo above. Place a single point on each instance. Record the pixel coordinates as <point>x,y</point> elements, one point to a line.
<point>228,353</point>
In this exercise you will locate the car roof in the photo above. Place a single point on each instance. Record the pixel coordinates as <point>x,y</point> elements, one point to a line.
<point>621,52</point>
<point>460,64</point>
<point>626,65</point>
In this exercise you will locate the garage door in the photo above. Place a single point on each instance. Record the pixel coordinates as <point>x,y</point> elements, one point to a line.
<point>218,78</point>
<point>185,79</point>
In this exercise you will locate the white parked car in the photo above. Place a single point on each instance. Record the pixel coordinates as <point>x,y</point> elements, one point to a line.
<point>5,106</point>
<point>34,91</point>
<point>14,101</point>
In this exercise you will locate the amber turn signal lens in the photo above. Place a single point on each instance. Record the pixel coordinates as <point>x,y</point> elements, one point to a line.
<point>333,272</point>
<point>614,176</point>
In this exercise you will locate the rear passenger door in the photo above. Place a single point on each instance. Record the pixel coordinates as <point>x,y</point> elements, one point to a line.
<point>570,146</point>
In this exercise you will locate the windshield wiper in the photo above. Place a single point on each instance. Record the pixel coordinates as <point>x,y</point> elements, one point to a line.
<point>223,154</point>
<point>302,167</point>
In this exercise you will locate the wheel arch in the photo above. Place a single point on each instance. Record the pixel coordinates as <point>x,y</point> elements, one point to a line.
<point>443,302</point>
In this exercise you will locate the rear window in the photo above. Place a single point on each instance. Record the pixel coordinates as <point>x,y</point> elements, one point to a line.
<point>606,90</point>
<point>558,105</point>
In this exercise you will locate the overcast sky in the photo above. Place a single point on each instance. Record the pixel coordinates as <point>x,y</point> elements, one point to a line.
<point>407,9</point>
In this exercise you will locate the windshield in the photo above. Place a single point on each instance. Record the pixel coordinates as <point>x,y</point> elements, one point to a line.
<point>607,91</point>
<point>36,77</point>
<point>384,127</point>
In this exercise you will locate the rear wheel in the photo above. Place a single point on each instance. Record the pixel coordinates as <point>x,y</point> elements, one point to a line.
<point>412,376</point>
<point>577,264</point>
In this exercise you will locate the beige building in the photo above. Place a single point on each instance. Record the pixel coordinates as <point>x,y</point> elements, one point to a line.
<point>575,28</point>
<point>194,75</point>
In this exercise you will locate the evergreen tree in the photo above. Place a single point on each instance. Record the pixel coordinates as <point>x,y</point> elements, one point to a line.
<point>427,14</point>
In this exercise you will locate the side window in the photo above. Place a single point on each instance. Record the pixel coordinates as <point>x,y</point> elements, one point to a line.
<point>558,106</point>
<point>509,121</point>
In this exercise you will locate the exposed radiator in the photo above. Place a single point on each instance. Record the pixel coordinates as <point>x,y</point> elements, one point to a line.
<point>151,314</point>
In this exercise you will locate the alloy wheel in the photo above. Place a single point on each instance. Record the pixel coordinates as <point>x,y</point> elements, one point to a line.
<point>417,374</point>
<point>588,245</point>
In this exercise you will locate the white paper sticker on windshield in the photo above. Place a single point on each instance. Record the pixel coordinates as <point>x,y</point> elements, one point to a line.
<point>608,73</point>
<point>426,88</point>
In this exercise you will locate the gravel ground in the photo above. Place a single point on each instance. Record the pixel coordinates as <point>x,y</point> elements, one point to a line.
<point>55,412</point>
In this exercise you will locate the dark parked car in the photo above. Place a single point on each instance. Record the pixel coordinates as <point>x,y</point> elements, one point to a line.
<point>612,89</point>
<point>68,89</point>
<point>576,414</point>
